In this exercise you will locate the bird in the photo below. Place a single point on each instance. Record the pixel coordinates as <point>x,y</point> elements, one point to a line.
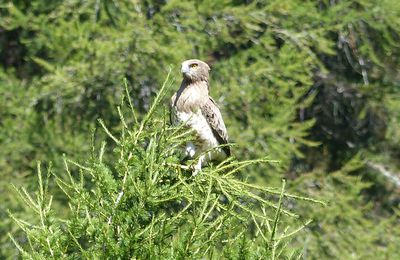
<point>193,106</point>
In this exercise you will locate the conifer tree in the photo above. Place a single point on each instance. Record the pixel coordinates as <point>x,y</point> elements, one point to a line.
<point>311,84</point>
<point>145,204</point>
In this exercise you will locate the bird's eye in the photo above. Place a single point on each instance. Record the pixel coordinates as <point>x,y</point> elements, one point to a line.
<point>192,66</point>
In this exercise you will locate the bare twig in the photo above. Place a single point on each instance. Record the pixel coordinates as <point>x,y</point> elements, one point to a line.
<point>392,177</point>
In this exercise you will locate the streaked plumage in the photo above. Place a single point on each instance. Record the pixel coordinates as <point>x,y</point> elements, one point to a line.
<point>193,106</point>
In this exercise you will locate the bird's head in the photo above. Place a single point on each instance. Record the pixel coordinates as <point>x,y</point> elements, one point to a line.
<point>195,70</point>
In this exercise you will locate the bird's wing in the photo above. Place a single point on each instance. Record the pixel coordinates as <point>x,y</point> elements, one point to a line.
<point>214,119</point>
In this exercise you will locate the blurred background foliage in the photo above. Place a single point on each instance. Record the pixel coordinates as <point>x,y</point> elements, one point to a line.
<point>314,84</point>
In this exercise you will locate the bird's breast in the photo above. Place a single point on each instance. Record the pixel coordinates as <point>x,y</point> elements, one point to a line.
<point>190,98</point>
<point>196,121</point>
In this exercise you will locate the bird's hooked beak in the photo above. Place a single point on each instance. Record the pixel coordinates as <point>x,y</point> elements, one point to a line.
<point>185,68</point>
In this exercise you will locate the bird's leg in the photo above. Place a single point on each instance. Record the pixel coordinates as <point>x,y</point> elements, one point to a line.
<point>197,167</point>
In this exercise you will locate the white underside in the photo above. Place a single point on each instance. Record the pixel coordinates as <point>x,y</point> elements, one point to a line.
<point>207,142</point>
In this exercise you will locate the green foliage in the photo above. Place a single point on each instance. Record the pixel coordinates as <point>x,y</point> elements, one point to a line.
<point>311,84</point>
<point>145,205</point>
<point>347,218</point>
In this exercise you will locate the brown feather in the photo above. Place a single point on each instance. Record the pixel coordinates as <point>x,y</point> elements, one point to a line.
<point>214,118</point>
<point>193,98</point>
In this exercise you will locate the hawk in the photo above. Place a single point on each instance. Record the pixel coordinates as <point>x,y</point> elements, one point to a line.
<point>192,106</point>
